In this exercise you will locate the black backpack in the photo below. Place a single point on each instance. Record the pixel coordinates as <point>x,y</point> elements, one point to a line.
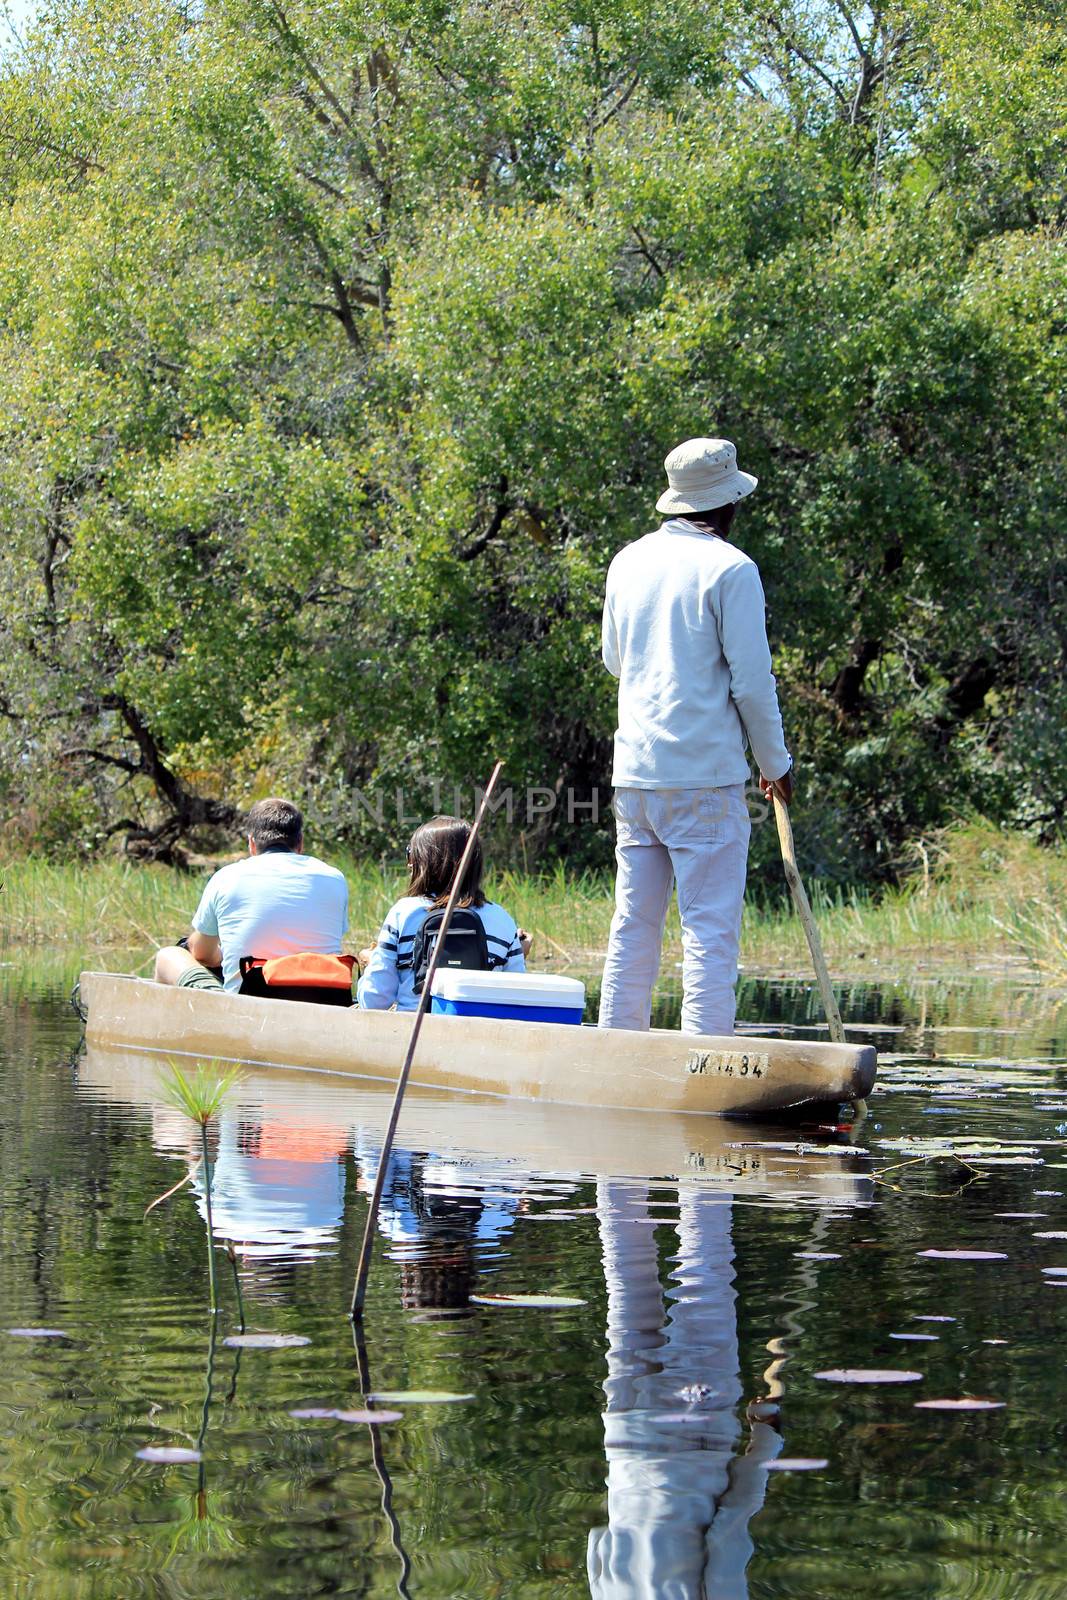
<point>465,945</point>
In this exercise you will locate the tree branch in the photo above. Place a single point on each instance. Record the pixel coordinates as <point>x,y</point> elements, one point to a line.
<point>321,183</point>
<point>102,755</point>
<point>614,110</point>
<point>809,61</point>
<point>302,55</point>
<point>853,30</point>
<point>500,511</point>
<point>646,252</point>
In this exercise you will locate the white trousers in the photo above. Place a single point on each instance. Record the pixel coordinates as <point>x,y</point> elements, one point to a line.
<point>697,839</point>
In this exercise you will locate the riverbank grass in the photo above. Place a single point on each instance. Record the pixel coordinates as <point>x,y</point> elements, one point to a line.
<point>981,892</point>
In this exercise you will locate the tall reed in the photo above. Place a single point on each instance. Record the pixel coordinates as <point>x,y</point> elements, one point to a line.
<point>200,1097</point>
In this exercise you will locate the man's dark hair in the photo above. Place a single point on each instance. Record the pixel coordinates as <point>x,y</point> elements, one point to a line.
<point>717,520</point>
<point>275,825</point>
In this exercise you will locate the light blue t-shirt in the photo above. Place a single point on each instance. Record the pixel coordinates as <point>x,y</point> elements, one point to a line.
<point>388,979</point>
<point>277,903</point>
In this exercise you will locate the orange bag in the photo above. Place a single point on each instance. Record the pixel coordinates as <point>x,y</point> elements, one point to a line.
<point>300,977</point>
<point>307,971</point>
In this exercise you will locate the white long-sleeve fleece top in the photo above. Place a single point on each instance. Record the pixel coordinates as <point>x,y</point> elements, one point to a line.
<point>685,633</point>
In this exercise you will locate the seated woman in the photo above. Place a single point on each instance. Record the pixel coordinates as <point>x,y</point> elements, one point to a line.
<point>389,976</point>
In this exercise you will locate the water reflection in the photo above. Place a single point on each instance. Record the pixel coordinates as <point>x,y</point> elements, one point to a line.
<point>439,1218</point>
<point>685,1472</point>
<point>682,1478</point>
<point>513,1493</point>
<point>683,1458</point>
<point>277,1189</point>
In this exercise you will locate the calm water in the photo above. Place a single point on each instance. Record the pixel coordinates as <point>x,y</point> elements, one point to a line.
<point>618,1449</point>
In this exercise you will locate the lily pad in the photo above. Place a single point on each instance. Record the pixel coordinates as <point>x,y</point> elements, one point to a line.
<point>968,1403</point>
<point>37,1333</point>
<point>169,1454</point>
<point>417,1397</point>
<point>539,1302</point>
<point>796,1464</point>
<point>373,1417</point>
<point>964,1255</point>
<point>869,1375</point>
<point>265,1341</point>
<point>334,1414</point>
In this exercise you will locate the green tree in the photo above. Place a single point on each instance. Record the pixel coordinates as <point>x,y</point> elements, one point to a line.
<point>340,348</point>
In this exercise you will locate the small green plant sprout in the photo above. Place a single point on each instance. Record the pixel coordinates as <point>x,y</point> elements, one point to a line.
<point>200,1095</point>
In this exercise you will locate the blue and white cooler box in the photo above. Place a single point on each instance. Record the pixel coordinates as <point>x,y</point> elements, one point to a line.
<point>517,996</point>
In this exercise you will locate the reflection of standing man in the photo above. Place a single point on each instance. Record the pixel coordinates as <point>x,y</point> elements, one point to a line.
<point>683,1482</point>
<point>685,634</point>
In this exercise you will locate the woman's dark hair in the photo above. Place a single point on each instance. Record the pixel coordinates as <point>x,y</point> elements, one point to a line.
<point>717,520</point>
<point>433,856</point>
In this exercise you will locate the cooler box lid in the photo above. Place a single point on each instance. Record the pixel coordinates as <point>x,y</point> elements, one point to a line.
<point>509,988</point>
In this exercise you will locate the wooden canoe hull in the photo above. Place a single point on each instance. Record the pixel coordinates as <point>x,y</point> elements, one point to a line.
<point>660,1070</point>
<point>491,1140</point>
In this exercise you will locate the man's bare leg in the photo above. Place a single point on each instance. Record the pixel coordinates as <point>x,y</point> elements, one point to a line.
<point>172,961</point>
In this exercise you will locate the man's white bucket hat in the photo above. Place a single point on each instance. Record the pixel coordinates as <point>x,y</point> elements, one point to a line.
<point>703,474</point>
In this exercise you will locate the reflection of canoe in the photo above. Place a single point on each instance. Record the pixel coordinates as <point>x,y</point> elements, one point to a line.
<point>531,1060</point>
<point>506,1140</point>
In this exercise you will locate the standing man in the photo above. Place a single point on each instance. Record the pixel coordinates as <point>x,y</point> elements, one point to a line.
<point>686,636</point>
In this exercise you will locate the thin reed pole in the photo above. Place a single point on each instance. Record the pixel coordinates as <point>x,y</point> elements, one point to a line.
<point>359,1292</point>
<point>212,1276</point>
<point>377,1454</point>
<point>811,932</point>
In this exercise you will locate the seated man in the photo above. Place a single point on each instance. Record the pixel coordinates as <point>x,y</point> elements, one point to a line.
<point>277,902</point>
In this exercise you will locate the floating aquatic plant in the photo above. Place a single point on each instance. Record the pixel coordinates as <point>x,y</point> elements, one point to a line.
<point>332,1414</point>
<point>538,1302</point>
<point>868,1375</point>
<point>265,1341</point>
<point>967,1403</point>
<point>963,1255</point>
<point>417,1397</point>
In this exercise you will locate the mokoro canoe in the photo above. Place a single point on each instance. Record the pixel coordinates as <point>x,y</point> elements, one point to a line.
<point>660,1070</point>
<point>491,1140</point>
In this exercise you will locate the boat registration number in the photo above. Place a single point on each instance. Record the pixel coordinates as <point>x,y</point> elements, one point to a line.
<point>731,1063</point>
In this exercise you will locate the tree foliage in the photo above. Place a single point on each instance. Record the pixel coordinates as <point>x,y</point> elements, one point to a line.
<point>340,347</point>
